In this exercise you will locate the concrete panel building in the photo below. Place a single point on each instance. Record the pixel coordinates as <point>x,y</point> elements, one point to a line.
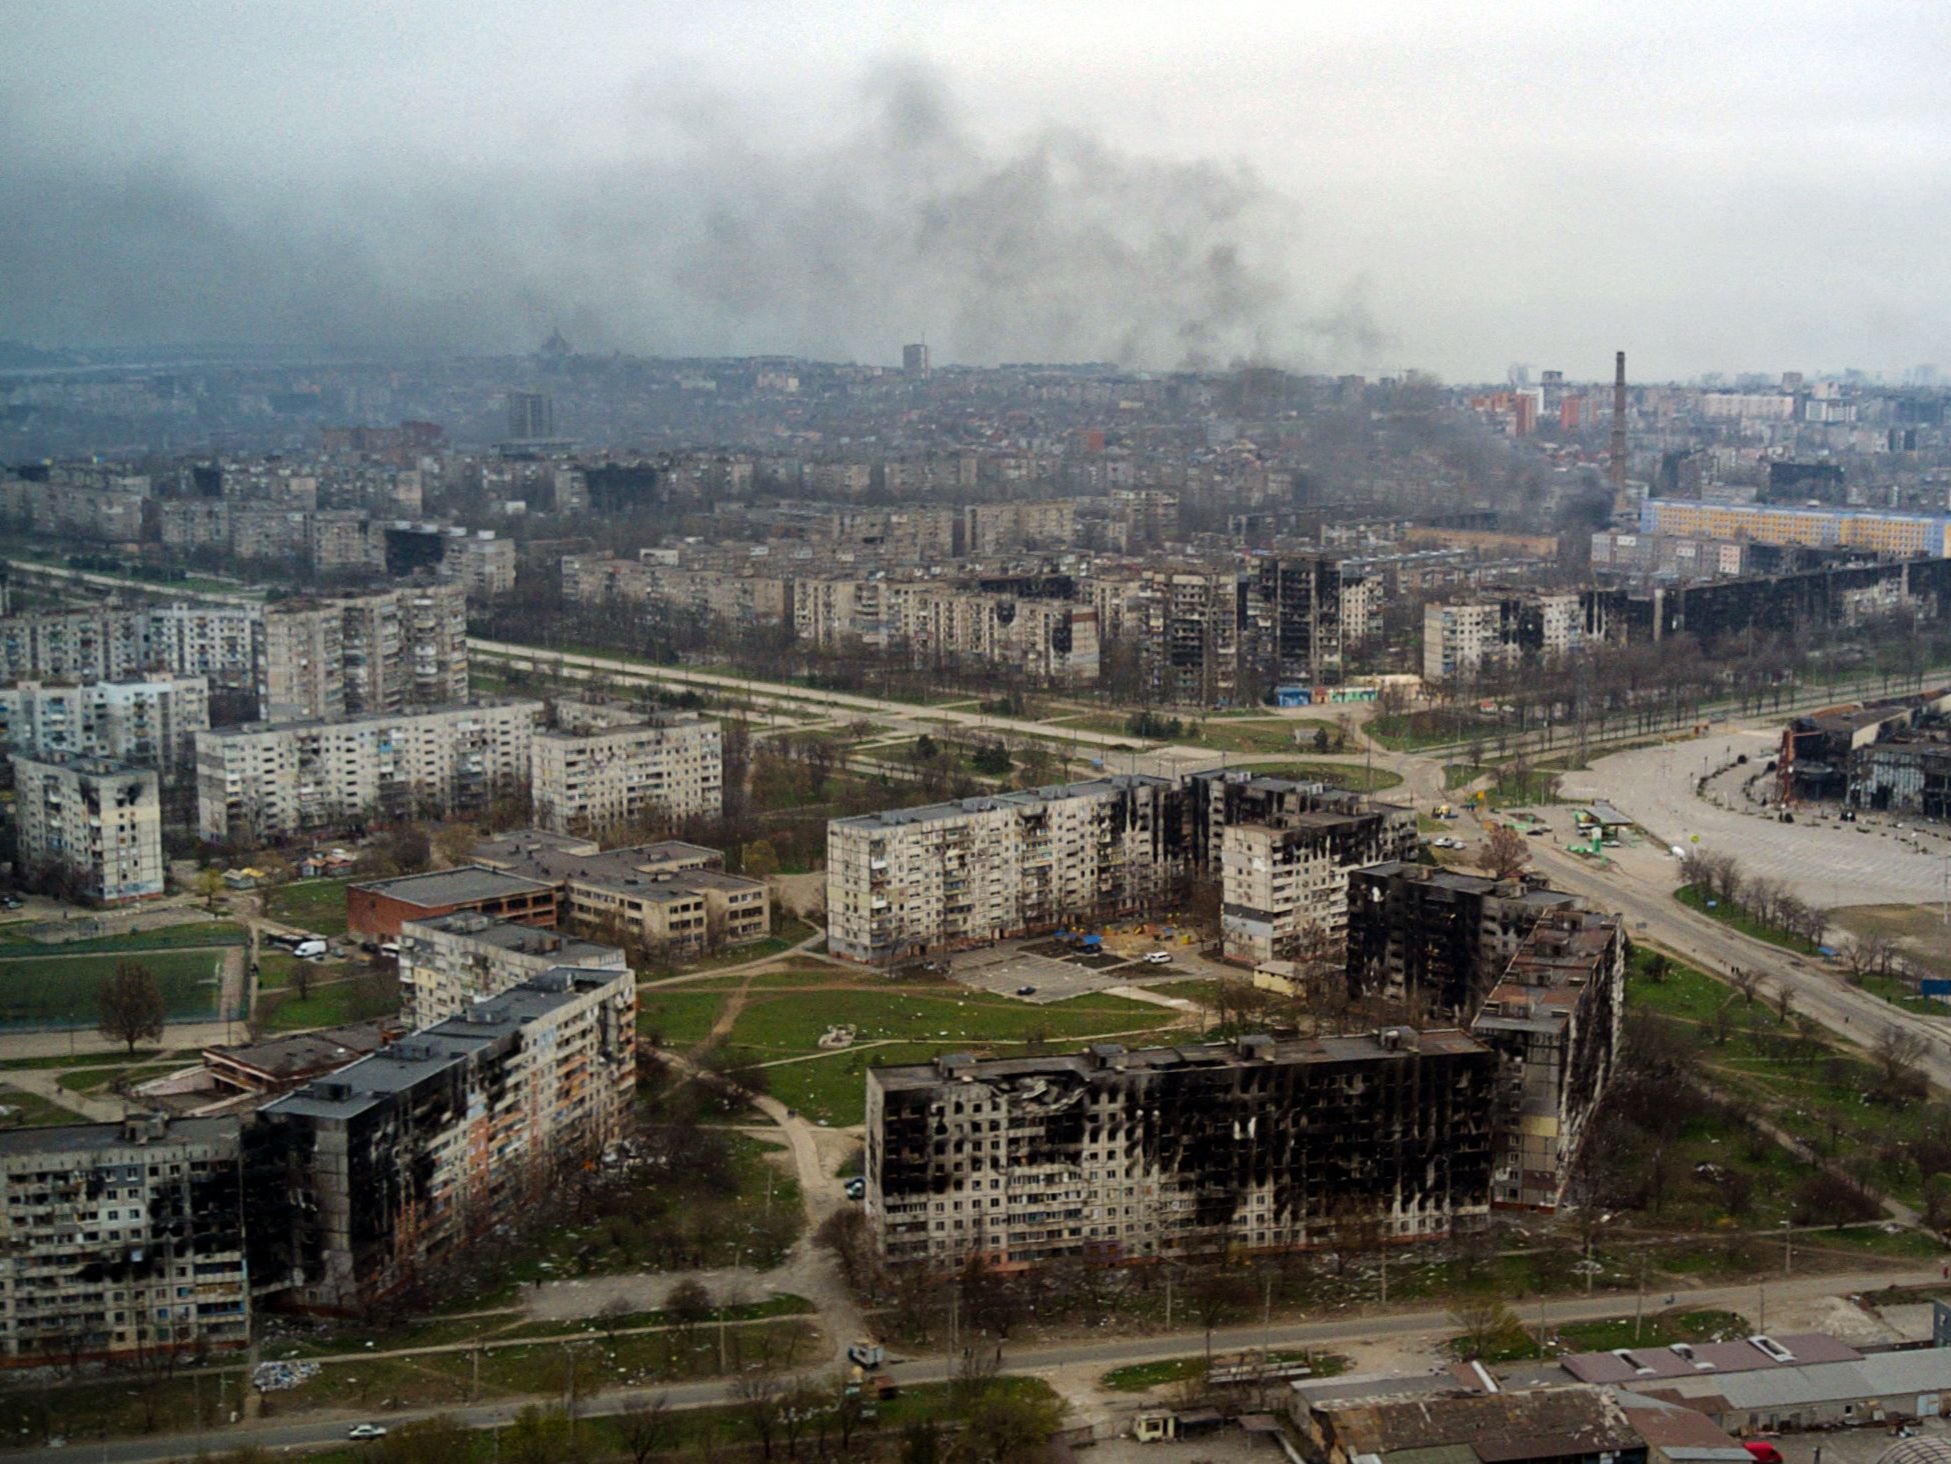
<point>122,1240</point>
<point>1284,885</point>
<point>149,721</point>
<point>272,780</point>
<point>90,823</point>
<point>1554,1022</point>
<point>370,1178</point>
<point>1420,934</point>
<point>960,874</point>
<point>1111,1155</point>
<point>450,962</point>
<point>670,896</point>
<point>593,778</point>
<point>381,651</point>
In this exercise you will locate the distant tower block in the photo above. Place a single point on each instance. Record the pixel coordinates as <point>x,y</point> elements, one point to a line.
<point>914,362</point>
<point>1616,468</point>
<point>531,415</point>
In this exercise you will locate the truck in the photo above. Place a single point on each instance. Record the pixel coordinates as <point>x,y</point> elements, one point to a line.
<point>866,1354</point>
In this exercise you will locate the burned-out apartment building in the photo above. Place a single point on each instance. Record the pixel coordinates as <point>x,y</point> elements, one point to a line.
<point>1554,1022</point>
<point>1436,938</point>
<point>121,1240</point>
<point>370,1178</point>
<point>1283,851</point>
<point>1889,756</point>
<point>1113,1155</point>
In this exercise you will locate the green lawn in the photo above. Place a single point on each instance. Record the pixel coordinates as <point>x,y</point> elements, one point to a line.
<point>1740,918</point>
<point>31,1110</point>
<point>1272,734</point>
<point>314,905</point>
<point>332,1004</point>
<point>1140,1376</point>
<point>787,1024</point>
<point>39,991</point>
<point>195,933</point>
<point>680,1017</point>
<point>1518,790</point>
<point>1358,776</point>
<point>1458,775</point>
<point>94,1080</point>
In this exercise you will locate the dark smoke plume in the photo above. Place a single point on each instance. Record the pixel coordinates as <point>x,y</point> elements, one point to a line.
<point>1058,248</point>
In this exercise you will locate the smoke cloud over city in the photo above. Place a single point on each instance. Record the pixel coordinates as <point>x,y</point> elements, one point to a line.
<point>1054,246</point>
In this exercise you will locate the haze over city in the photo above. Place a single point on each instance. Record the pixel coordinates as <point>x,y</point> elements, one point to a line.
<point>1338,187</point>
<point>974,734</point>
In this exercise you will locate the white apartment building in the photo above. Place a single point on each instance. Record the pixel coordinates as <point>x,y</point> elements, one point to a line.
<point>1461,637</point>
<point>122,1239</point>
<point>482,565</point>
<point>382,651</point>
<point>1284,888</point>
<point>96,823</point>
<point>147,722</point>
<point>960,874</point>
<point>269,780</point>
<point>453,961</point>
<point>611,777</point>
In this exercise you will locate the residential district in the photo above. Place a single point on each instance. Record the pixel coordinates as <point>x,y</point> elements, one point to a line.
<point>758,905</point>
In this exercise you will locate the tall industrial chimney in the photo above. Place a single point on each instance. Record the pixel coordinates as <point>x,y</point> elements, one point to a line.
<point>1616,470</point>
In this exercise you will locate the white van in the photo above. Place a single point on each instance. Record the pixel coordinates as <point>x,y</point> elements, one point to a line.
<point>309,949</point>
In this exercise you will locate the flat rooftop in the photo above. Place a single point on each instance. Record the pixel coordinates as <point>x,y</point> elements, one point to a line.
<point>521,940</point>
<point>433,1050</point>
<point>1244,1052</point>
<point>461,886</point>
<point>894,818</point>
<point>555,858</point>
<point>308,1052</point>
<point>94,1138</point>
<point>374,719</point>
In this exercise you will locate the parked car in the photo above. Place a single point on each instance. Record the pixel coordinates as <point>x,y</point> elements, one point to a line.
<point>11,902</point>
<point>309,949</point>
<point>1158,958</point>
<point>1026,991</point>
<point>366,1431</point>
<point>856,1188</point>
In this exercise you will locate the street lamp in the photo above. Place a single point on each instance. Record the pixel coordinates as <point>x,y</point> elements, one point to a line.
<point>1788,1247</point>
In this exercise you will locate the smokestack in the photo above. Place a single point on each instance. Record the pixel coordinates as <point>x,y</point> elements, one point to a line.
<point>1616,470</point>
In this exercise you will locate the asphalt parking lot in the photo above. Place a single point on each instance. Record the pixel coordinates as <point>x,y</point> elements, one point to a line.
<point>1005,970</point>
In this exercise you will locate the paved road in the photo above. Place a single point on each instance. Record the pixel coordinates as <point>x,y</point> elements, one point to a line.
<point>1826,863</point>
<point>317,1430</point>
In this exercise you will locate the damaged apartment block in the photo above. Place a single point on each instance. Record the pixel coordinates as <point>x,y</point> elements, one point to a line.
<point>378,1174</point>
<point>121,1241</point>
<point>1113,1155</point>
<point>1554,1022</point>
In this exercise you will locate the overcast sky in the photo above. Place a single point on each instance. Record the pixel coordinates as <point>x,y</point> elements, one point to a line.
<point>1353,186</point>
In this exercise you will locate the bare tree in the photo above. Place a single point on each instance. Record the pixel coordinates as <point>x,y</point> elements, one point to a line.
<point>131,1006</point>
<point>1897,1052</point>
<point>1504,854</point>
<point>648,1427</point>
<point>1745,981</point>
<point>756,1396</point>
